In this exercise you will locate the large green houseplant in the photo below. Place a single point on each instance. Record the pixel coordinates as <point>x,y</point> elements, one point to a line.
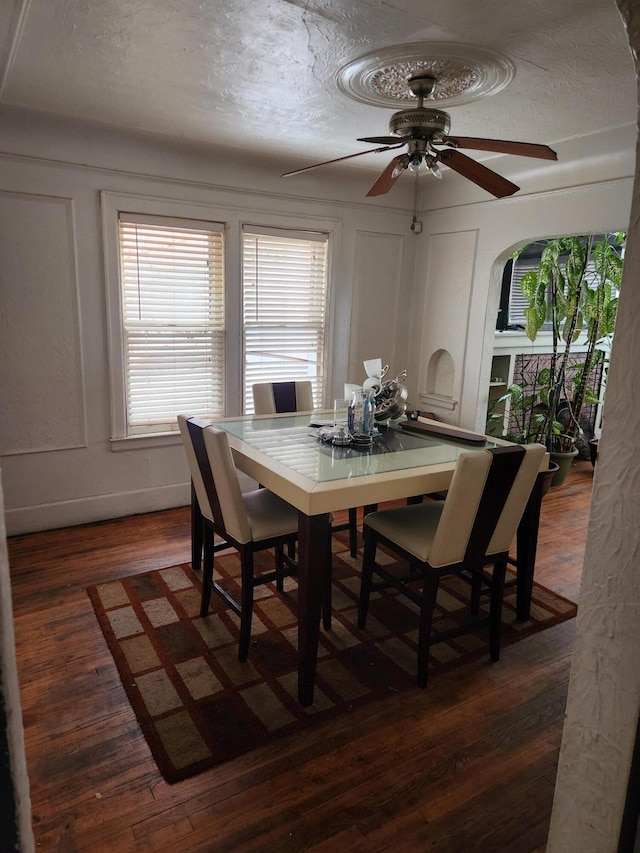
<point>574,287</point>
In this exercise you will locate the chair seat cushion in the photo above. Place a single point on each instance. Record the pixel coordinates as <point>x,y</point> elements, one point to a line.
<point>411,527</point>
<point>269,515</point>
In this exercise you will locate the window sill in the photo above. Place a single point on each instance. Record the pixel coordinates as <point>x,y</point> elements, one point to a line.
<point>142,442</point>
<point>514,333</point>
<point>518,341</point>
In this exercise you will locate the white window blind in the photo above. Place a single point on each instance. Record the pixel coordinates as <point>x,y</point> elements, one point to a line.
<point>284,278</point>
<point>172,278</point>
<point>517,301</point>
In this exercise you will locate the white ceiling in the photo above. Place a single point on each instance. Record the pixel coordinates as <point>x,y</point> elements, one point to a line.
<point>261,74</point>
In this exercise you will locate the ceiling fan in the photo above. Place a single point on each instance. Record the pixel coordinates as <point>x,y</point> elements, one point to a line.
<point>423,129</point>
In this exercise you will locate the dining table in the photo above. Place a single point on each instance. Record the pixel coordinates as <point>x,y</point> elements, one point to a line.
<point>293,456</point>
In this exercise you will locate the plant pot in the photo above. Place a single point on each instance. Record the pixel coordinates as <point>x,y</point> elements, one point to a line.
<point>564,462</point>
<point>547,477</point>
<point>593,450</point>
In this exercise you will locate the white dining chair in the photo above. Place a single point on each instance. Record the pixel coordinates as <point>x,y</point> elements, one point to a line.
<point>472,527</point>
<point>274,398</point>
<point>247,521</point>
<point>270,398</point>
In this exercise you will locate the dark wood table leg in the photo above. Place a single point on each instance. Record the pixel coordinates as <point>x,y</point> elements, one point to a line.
<point>526,544</point>
<point>197,532</point>
<point>314,553</point>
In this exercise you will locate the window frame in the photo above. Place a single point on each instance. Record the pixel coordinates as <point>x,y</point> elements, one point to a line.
<point>152,317</point>
<point>309,236</point>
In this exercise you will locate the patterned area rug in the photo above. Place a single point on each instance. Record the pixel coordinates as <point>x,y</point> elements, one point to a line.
<point>198,705</point>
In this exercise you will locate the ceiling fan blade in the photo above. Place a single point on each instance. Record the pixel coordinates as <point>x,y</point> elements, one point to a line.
<point>479,174</point>
<point>338,159</point>
<point>383,140</point>
<point>502,146</point>
<point>386,180</point>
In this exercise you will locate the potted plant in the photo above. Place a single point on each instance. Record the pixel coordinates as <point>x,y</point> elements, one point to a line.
<point>527,407</point>
<point>527,416</point>
<point>575,287</point>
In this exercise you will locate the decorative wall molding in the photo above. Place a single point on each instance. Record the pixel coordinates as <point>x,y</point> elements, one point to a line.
<point>40,341</point>
<point>376,257</point>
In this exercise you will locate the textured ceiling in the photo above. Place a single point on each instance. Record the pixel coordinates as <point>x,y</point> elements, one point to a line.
<point>262,76</point>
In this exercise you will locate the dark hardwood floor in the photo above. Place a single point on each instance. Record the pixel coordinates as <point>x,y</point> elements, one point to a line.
<point>467,765</point>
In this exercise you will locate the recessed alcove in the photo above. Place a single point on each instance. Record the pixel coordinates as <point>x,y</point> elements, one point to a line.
<point>440,381</point>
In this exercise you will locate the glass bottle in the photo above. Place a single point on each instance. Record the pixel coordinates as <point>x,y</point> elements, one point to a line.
<point>368,412</point>
<point>357,406</point>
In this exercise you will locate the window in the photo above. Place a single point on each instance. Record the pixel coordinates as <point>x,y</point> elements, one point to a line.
<point>512,301</point>
<point>284,281</point>
<point>172,296</point>
<point>201,306</point>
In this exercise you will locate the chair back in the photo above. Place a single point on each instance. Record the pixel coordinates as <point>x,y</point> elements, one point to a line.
<point>276,398</point>
<point>485,502</point>
<point>227,485</point>
<point>215,478</point>
<point>190,431</point>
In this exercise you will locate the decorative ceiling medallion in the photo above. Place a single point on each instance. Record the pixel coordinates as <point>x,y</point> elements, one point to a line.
<point>464,73</point>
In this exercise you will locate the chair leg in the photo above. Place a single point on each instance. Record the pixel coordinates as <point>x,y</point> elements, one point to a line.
<point>368,563</point>
<point>207,571</point>
<point>476,590</point>
<point>246,599</point>
<point>197,532</point>
<point>429,596</point>
<point>495,612</point>
<point>353,531</point>
<point>279,549</point>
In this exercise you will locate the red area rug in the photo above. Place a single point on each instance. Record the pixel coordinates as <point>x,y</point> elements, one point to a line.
<point>198,705</point>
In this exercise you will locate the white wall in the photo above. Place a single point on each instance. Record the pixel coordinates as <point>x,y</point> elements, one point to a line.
<point>603,706</point>
<point>58,463</point>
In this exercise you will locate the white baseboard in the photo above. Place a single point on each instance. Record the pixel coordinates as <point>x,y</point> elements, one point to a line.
<point>31,519</point>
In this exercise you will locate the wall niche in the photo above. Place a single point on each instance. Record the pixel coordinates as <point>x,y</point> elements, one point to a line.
<point>440,382</point>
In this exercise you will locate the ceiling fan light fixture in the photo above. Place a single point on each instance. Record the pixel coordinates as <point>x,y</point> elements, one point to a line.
<point>415,163</point>
<point>432,165</point>
<point>422,163</point>
<point>402,163</point>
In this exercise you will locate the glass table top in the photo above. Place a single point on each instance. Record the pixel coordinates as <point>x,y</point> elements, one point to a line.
<point>293,442</point>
